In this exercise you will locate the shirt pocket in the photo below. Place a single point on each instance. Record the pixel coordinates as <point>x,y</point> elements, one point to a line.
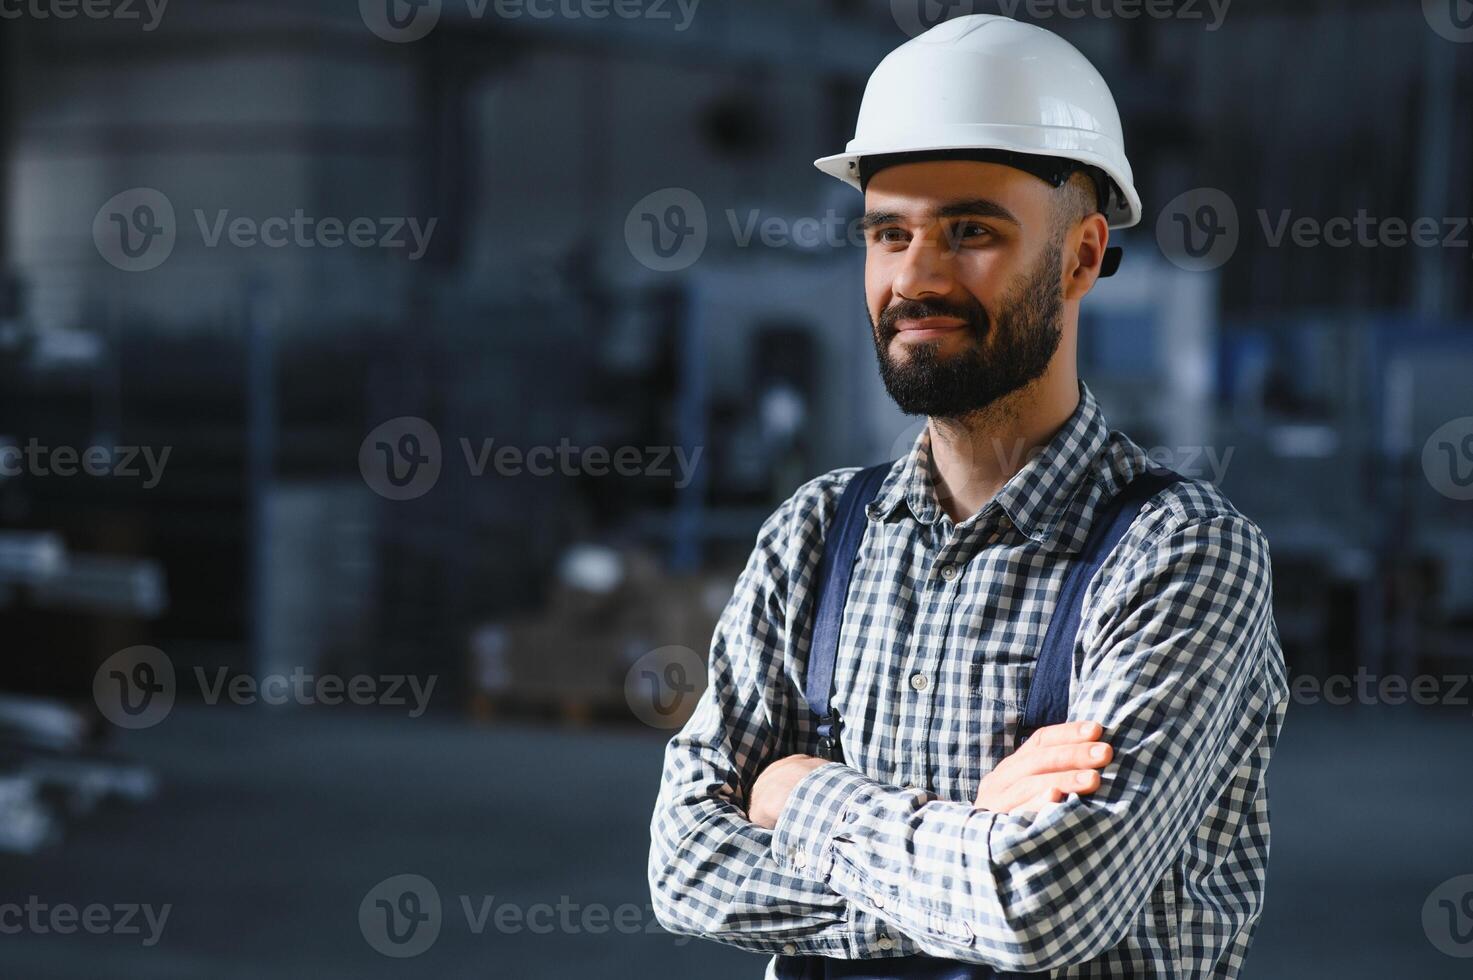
<point>991,718</point>
<point>1003,682</point>
<point>998,692</point>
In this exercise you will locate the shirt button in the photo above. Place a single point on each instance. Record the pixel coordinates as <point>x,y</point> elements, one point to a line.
<point>920,681</point>
<point>789,949</point>
<point>948,572</point>
<point>800,860</point>
<point>885,942</point>
<point>1004,523</point>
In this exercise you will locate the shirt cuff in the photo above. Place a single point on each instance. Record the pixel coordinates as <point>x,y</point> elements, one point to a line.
<point>818,808</point>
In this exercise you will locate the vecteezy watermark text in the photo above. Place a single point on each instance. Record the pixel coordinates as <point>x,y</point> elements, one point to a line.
<point>1200,230</point>
<point>137,230</point>
<point>401,459</point>
<point>403,21</point>
<point>571,460</point>
<point>302,687</point>
<point>1365,688</point>
<point>309,232</point>
<point>403,915</point>
<point>34,459</point>
<point>917,16</point>
<point>149,12</point>
<point>1365,230</point>
<point>136,688</point>
<point>39,918</point>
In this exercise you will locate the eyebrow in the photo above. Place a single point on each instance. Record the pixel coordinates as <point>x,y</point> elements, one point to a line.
<point>972,207</point>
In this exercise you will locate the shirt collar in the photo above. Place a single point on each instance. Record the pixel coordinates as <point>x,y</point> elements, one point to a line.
<point>1034,498</point>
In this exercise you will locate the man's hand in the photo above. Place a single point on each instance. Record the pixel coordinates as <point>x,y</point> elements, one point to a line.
<point>774,784</point>
<point>1054,762</point>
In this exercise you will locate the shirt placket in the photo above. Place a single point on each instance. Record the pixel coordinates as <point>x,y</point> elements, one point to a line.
<point>921,683</point>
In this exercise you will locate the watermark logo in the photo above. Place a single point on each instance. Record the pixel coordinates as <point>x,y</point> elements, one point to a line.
<point>135,230</point>
<point>915,17</point>
<point>150,12</point>
<point>400,459</point>
<point>1447,459</point>
<point>1451,19</point>
<point>1198,229</point>
<point>400,916</point>
<point>400,21</point>
<point>666,230</point>
<point>1447,917</point>
<point>135,688</point>
<point>663,686</point>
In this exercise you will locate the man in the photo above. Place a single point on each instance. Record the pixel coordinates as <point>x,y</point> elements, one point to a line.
<point>1129,842</point>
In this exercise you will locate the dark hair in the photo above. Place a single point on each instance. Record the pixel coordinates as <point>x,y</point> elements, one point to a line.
<point>1053,170</point>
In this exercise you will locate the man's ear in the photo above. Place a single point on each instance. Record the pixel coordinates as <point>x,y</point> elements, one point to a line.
<point>1084,254</point>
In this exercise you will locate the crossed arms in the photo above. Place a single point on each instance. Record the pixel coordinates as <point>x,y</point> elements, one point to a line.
<point>793,854</point>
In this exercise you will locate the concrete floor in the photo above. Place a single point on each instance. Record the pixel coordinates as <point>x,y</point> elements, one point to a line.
<point>271,828</point>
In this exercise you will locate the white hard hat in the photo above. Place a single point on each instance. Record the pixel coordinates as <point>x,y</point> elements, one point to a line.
<point>986,82</point>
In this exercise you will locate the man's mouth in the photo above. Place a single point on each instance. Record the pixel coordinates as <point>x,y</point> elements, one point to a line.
<point>927,327</point>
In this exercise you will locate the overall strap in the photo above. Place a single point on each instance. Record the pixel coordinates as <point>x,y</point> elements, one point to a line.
<point>1048,696</point>
<point>835,566</point>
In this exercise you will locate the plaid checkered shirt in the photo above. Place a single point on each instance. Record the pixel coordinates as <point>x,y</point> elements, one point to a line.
<point>1158,873</point>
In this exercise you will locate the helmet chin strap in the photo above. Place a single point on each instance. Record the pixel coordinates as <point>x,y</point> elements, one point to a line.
<point>1054,171</point>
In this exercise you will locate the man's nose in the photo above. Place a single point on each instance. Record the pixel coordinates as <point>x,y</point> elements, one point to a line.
<point>926,268</point>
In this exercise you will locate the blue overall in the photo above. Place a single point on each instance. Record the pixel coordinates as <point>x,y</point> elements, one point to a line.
<point>1048,695</point>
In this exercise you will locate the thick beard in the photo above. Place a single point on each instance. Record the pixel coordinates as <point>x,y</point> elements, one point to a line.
<point>965,383</point>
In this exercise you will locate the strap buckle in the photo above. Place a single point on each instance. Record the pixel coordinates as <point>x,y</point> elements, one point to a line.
<point>828,739</point>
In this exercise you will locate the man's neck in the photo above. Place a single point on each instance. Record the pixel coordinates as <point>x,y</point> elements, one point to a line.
<point>972,458</point>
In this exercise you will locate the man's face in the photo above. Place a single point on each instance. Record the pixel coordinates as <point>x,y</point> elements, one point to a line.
<point>963,283</point>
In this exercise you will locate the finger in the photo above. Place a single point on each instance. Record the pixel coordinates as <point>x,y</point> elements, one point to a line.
<point>1038,802</point>
<point>1024,792</point>
<point>1085,755</point>
<point>1051,741</point>
<point>1060,784</point>
<point>1065,734</point>
<point>1059,758</point>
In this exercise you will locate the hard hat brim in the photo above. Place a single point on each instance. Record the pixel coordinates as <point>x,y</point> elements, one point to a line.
<point>845,166</point>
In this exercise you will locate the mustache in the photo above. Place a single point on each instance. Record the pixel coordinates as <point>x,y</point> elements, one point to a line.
<point>914,309</point>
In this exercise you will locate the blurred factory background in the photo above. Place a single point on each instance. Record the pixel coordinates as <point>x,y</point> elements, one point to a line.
<point>292,295</point>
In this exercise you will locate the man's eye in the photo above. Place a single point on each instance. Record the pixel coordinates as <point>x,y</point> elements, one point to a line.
<point>969,230</point>
<point>889,236</point>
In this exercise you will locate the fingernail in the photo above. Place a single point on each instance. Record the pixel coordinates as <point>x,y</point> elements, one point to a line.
<point>1082,778</point>
<point>1087,728</point>
<point>1099,751</point>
